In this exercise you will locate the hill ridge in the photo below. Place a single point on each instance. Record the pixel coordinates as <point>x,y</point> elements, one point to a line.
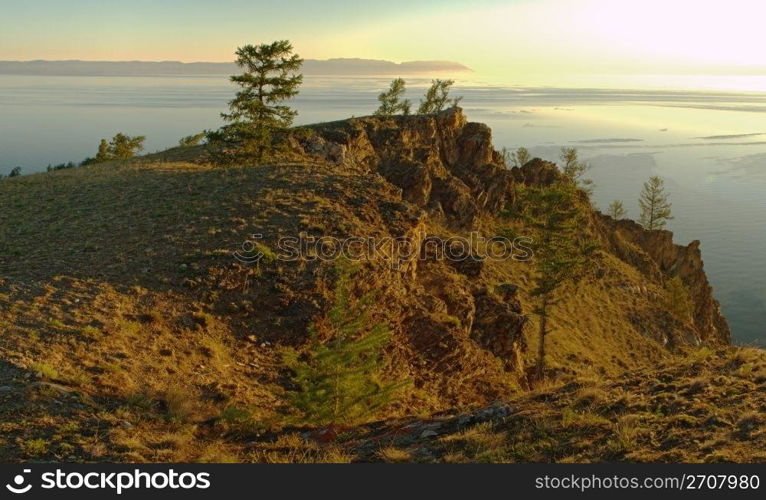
<point>118,283</point>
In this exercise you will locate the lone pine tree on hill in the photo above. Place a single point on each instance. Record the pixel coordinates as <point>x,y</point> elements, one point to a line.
<point>574,169</point>
<point>654,203</point>
<point>562,252</point>
<point>257,113</point>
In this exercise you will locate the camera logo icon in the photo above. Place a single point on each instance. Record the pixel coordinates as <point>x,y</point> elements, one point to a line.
<point>250,252</point>
<point>18,484</point>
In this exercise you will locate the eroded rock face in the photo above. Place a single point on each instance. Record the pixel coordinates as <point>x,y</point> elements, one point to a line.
<point>441,162</point>
<point>497,326</point>
<point>655,254</point>
<point>536,172</point>
<point>448,167</point>
<point>449,317</point>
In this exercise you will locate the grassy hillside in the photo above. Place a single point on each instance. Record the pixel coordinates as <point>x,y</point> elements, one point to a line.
<point>128,330</point>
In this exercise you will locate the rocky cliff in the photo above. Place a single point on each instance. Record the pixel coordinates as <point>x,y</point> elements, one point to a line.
<point>449,168</point>
<point>443,164</point>
<point>655,254</point>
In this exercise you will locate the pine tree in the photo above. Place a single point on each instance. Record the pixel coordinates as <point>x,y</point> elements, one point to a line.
<point>123,147</point>
<point>257,114</point>
<point>103,151</point>
<point>437,97</point>
<point>191,140</point>
<point>616,210</point>
<point>574,169</point>
<point>338,379</point>
<point>391,102</point>
<point>517,158</point>
<point>520,157</point>
<point>15,172</point>
<point>562,251</point>
<point>655,207</point>
<point>676,299</point>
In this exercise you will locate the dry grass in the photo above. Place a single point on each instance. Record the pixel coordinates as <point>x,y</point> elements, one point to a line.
<point>291,448</point>
<point>648,416</point>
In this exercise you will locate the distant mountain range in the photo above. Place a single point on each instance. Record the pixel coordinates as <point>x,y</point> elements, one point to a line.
<point>149,68</point>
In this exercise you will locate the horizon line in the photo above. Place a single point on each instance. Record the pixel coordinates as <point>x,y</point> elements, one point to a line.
<point>365,59</point>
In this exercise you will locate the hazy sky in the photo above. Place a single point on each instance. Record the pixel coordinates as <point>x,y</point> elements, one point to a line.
<point>492,36</point>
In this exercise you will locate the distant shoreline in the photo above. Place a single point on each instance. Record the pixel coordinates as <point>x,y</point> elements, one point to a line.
<point>328,67</point>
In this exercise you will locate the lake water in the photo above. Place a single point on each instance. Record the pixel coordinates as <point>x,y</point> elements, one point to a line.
<point>705,135</point>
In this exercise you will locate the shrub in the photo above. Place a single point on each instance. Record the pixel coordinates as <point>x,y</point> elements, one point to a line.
<point>121,147</point>
<point>391,102</point>
<point>239,421</point>
<point>64,166</point>
<point>124,146</point>
<point>616,210</point>
<point>46,371</point>
<point>35,447</point>
<point>574,169</point>
<point>676,299</point>
<point>437,97</point>
<point>517,158</point>
<point>179,402</point>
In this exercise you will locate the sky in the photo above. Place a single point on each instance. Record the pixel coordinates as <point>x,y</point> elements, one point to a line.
<point>494,37</point>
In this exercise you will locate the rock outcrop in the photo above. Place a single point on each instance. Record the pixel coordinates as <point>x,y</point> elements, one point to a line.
<point>448,167</point>
<point>441,163</point>
<point>655,254</point>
